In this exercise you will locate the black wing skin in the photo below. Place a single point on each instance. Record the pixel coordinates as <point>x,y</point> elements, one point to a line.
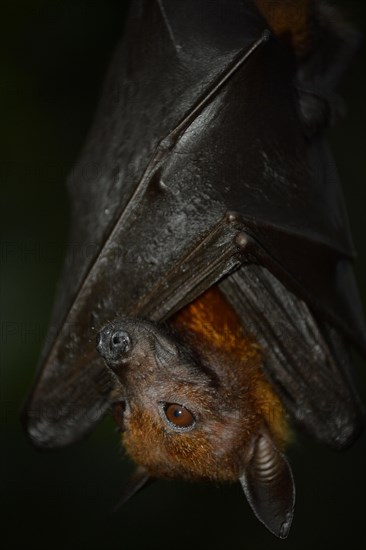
<point>311,376</point>
<point>201,165</point>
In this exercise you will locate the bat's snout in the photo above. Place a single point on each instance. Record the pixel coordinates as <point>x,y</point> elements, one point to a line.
<point>113,344</point>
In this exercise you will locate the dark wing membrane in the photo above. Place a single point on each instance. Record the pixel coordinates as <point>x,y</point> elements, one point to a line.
<point>171,54</point>
<point>205,124</point>
<point>318,75</point>
<point>61,411</point>
<point>305,359</point>
<point>128,227</point>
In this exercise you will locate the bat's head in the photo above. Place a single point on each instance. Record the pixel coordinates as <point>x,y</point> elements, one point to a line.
<point>188,417</point>
<point>180,417</point>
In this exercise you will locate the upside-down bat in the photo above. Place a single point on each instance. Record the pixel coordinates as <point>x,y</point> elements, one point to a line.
<point>220,289</point>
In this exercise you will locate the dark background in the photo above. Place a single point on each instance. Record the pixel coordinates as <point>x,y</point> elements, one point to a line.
<point>56,53</point>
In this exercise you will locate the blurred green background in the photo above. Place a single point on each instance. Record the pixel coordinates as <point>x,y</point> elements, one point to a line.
<point>54,55</point>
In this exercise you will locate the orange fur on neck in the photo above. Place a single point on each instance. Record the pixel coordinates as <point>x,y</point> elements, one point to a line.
<point>290,20</point>
<point>217,327</point>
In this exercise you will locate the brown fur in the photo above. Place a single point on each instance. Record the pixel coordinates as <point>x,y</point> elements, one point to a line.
<point>290,20</point>
<point>216,325</point>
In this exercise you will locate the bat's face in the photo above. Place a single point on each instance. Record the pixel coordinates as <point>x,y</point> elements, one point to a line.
<point>179,417</point>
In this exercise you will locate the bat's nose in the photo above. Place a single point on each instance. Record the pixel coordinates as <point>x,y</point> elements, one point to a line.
<point>113,344</point>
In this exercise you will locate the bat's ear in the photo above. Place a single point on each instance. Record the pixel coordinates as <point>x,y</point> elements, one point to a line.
<point>269,486</point>
<point>165,350</point>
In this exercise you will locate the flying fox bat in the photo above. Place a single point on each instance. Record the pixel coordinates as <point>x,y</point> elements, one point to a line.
<point>220,288</point>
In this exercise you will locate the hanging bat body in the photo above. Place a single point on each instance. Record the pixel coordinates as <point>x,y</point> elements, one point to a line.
<point>216,210</point>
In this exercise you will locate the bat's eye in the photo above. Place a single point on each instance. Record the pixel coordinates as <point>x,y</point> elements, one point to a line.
<point>178,415</point>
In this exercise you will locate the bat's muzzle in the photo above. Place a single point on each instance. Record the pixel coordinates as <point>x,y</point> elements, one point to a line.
<point>113,344</point>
